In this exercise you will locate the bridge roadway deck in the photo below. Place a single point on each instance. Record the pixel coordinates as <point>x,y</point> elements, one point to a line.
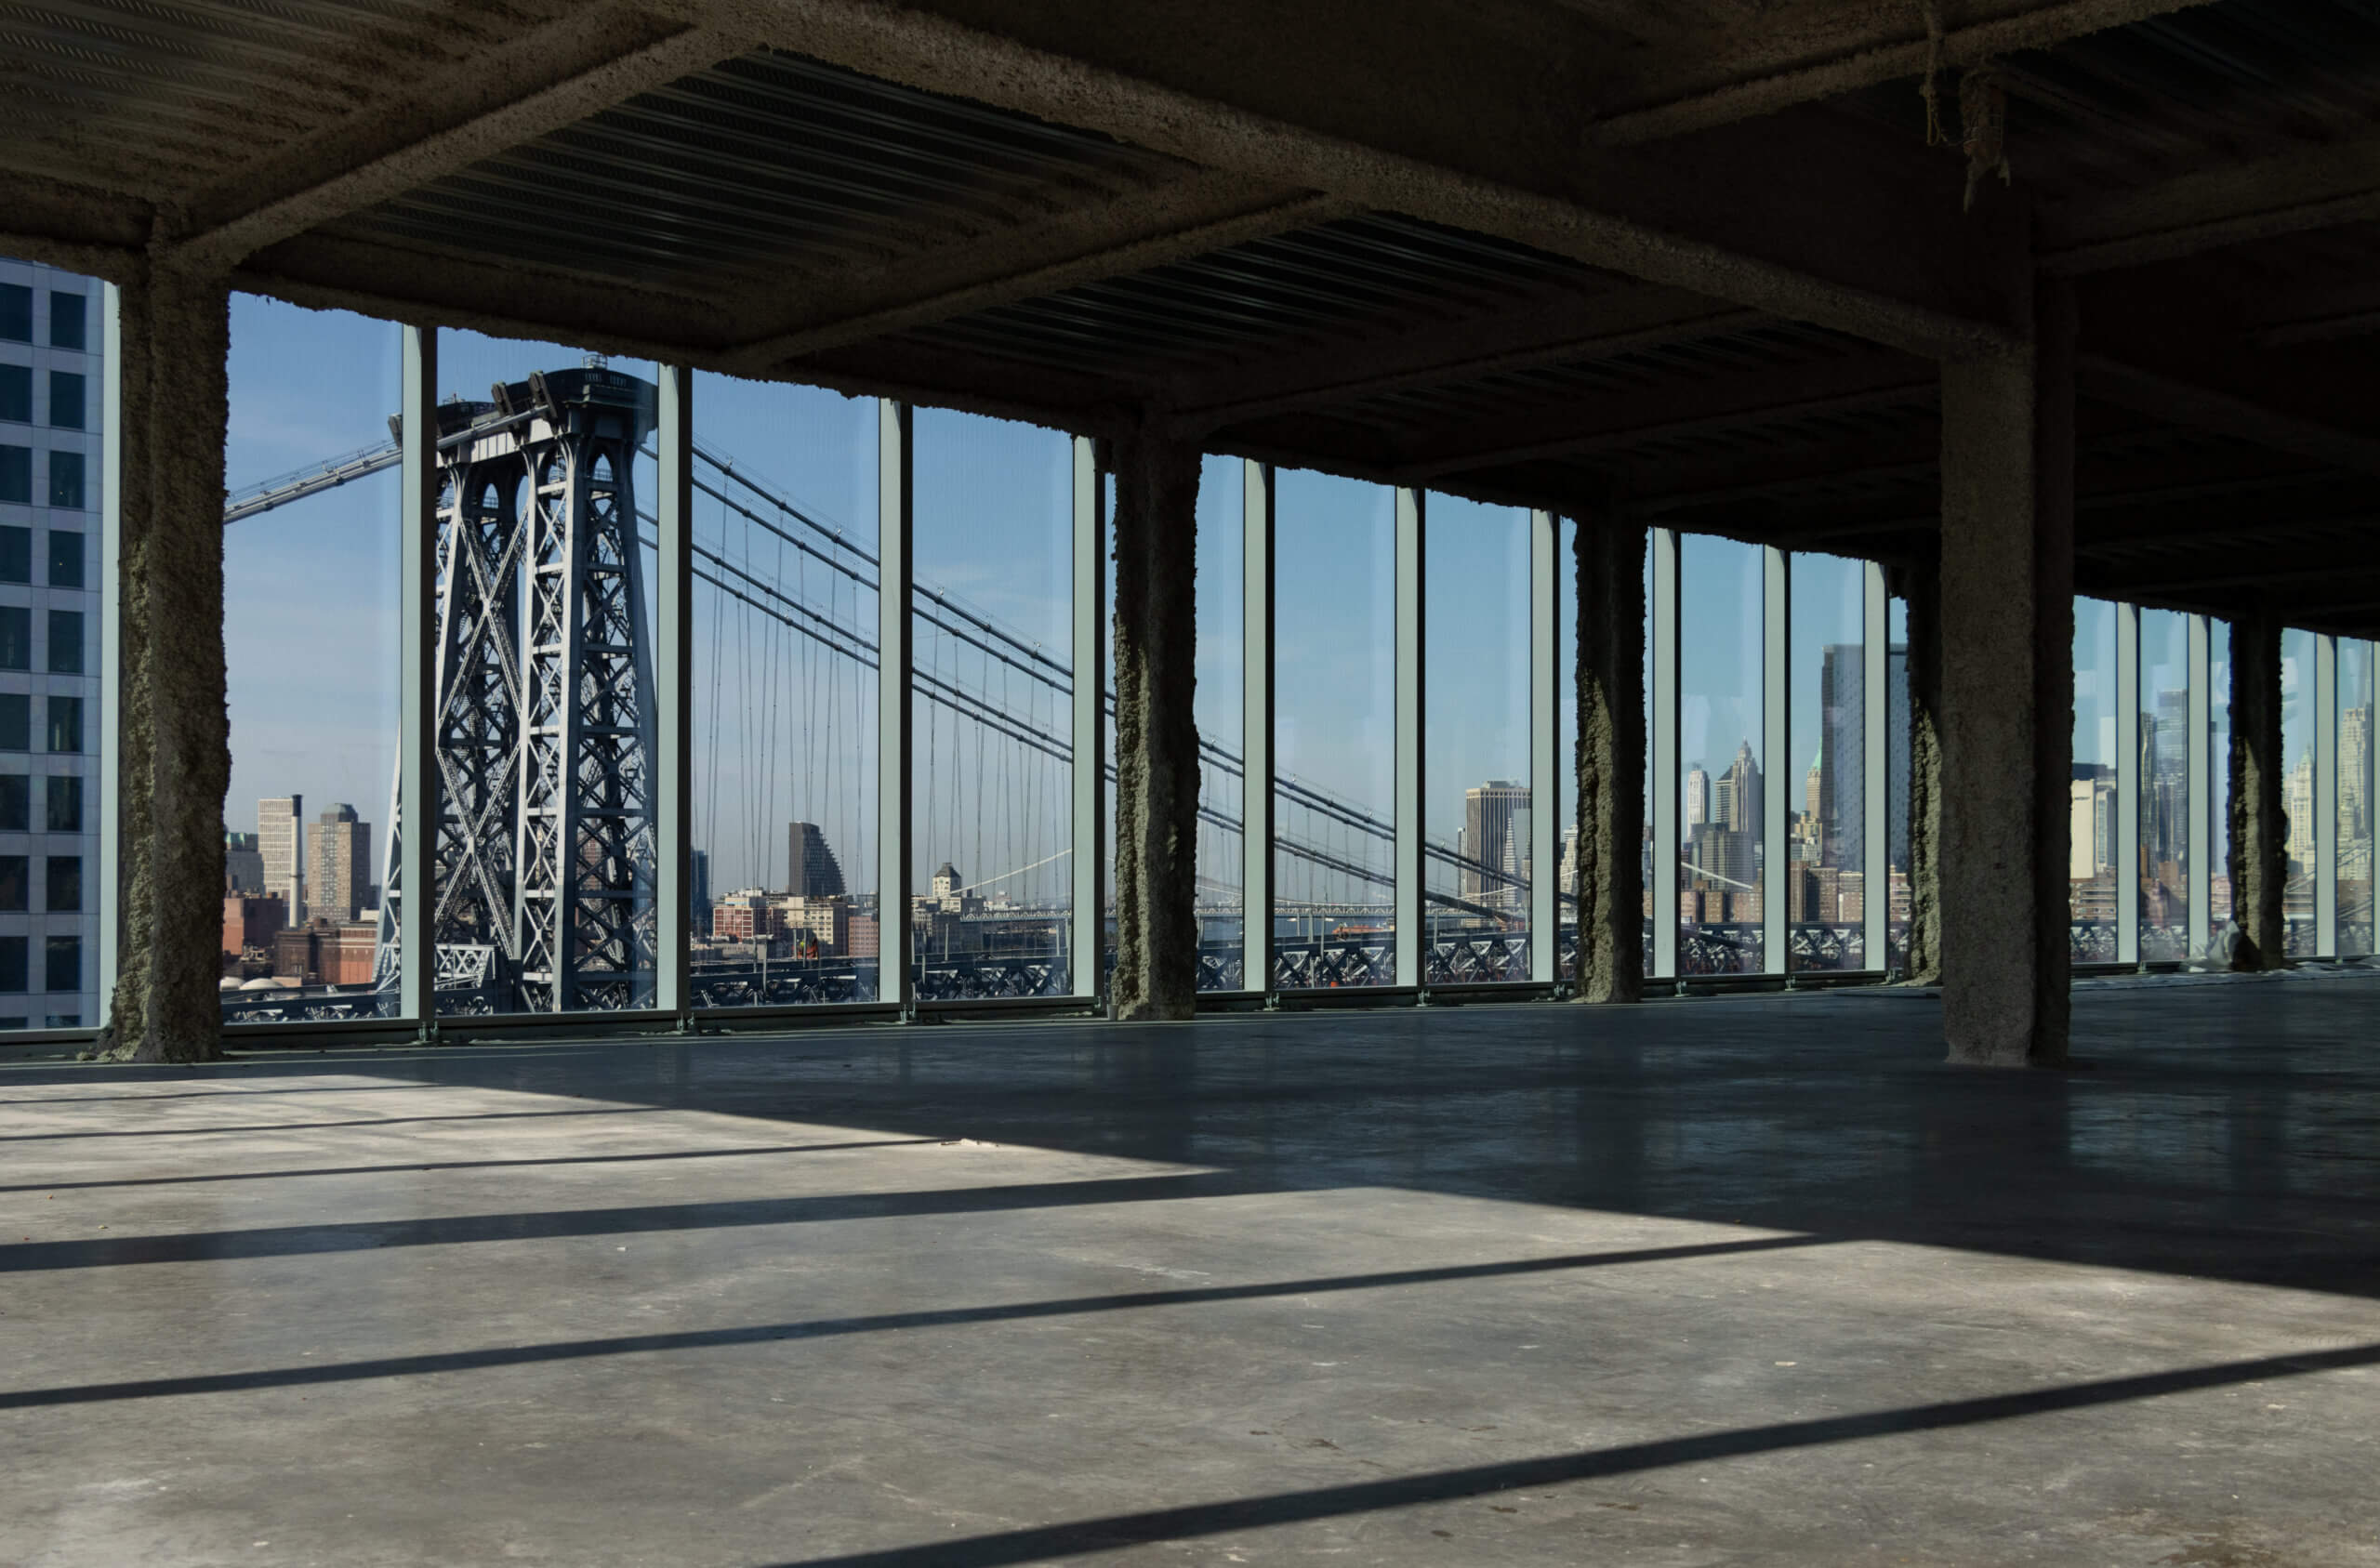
<point>1750,1280</point>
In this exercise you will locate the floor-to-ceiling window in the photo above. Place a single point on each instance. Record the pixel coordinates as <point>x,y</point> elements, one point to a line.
<point>1645,866</point>
<point>2162,776</point>
<point>1721,769</point>
<point>2092,844</point>
<point>1897,826</point>
<point>1566,728</point>
<point>2218,807</point>
<point>545,853</point>
<point>1334,559</point>
<point>1218,708</point>
<point>310,635</point>
<point>2304,836</point>
<point>782,794</point>
<point>1826,894</point>
<point>2355,816</point>
<point>1477,801</point>
<point>991,814</point>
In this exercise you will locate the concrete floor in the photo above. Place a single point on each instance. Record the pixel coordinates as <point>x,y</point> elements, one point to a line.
<point>1744,1281</point>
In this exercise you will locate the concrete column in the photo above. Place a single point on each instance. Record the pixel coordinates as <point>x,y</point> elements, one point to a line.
<point>2259,864</point>
<point>174,749</point>
<point>1921,590</point>
<point>1157,739</point>
<point>2007,694</point>
<point>1610,566</point>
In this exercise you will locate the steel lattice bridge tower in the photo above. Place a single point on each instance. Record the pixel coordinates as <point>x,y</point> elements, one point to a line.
<point>543,867</point>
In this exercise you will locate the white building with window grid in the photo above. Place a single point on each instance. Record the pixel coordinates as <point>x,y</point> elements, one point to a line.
<point>51,411</point>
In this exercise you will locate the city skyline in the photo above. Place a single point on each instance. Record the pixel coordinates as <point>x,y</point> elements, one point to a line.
<point>1011,565</point>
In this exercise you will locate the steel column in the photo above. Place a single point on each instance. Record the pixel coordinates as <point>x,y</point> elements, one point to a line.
<point>1545,560</point>
<point>896,513</point>
<point>1412,940</point>
<point>1089,967</point>
<point>1256,727</point>
<point>1666,801</point>
<point>2199,820</point>
<point>2326,797</point>
<point>2130,779</point>
<point>413,817</point>
<point>1776,698</point>
<point>1875,769</point>
<point>673,681</point>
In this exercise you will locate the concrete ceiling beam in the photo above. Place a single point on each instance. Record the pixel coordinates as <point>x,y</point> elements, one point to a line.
<point>1745,471</point>
<point>2233,204</point>
<point>507,300</point>
<point>1376,357</point>
<point>73,226</point>
<point>1677,408</point>
<point>2316,313</point>
<point>1201,213</point>
<point>1481,129</point>
<point>1819,478</point>
<point>1795,54</point>
<point>543,79</point>
<point>2225,413</point>
<point>1075,400</point>
<point>501,297</point>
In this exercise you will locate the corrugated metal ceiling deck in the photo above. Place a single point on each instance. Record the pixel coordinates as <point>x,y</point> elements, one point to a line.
<point>145,97</point>
<point>1272,294</point>
<point>2160,97</point>
<point>768,163</point>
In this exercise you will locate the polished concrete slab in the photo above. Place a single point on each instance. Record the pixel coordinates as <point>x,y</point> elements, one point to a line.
<point>1741,1281</point>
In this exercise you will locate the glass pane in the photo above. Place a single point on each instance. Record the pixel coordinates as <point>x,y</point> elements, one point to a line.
<point>783,907</point>
<point>2297,798</point>
<point>1565,730</point>
<point>992,811</point>
<point>2355,798</point>
<point>1217,708</point>
<point>2091,850</point>
<point>1334,725</point>
<point>1897,776</point>
<point>1719,736</point>
<point>2218,723</point>
<point>2164,782</point>
<point>1826,883</point>
<point>1475,687</point>
<point>1645,869</point>
<point>311,604</point>
<point>544,858</point>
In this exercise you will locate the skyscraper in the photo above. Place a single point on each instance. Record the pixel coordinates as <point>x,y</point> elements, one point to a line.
<point>243,866</point>
<point>280,843</point>
<point>2091,843</point>
<point>2301,817</point>
<point>51,402</point>
<point>811,870</point>
<point>1490,812</point>
<point>1737,798</point>
<point>1698,795</point>
<point>1842,750</point>
<point>2354,791</point>
<point>698,892</point>
<point>1897,754</point>
<point>338,865</point>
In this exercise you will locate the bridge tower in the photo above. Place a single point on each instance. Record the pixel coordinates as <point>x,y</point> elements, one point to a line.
<point>545,854</point>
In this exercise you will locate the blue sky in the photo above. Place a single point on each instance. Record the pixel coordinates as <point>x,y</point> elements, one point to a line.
<point>312,612</point>
<point>312,636</point>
